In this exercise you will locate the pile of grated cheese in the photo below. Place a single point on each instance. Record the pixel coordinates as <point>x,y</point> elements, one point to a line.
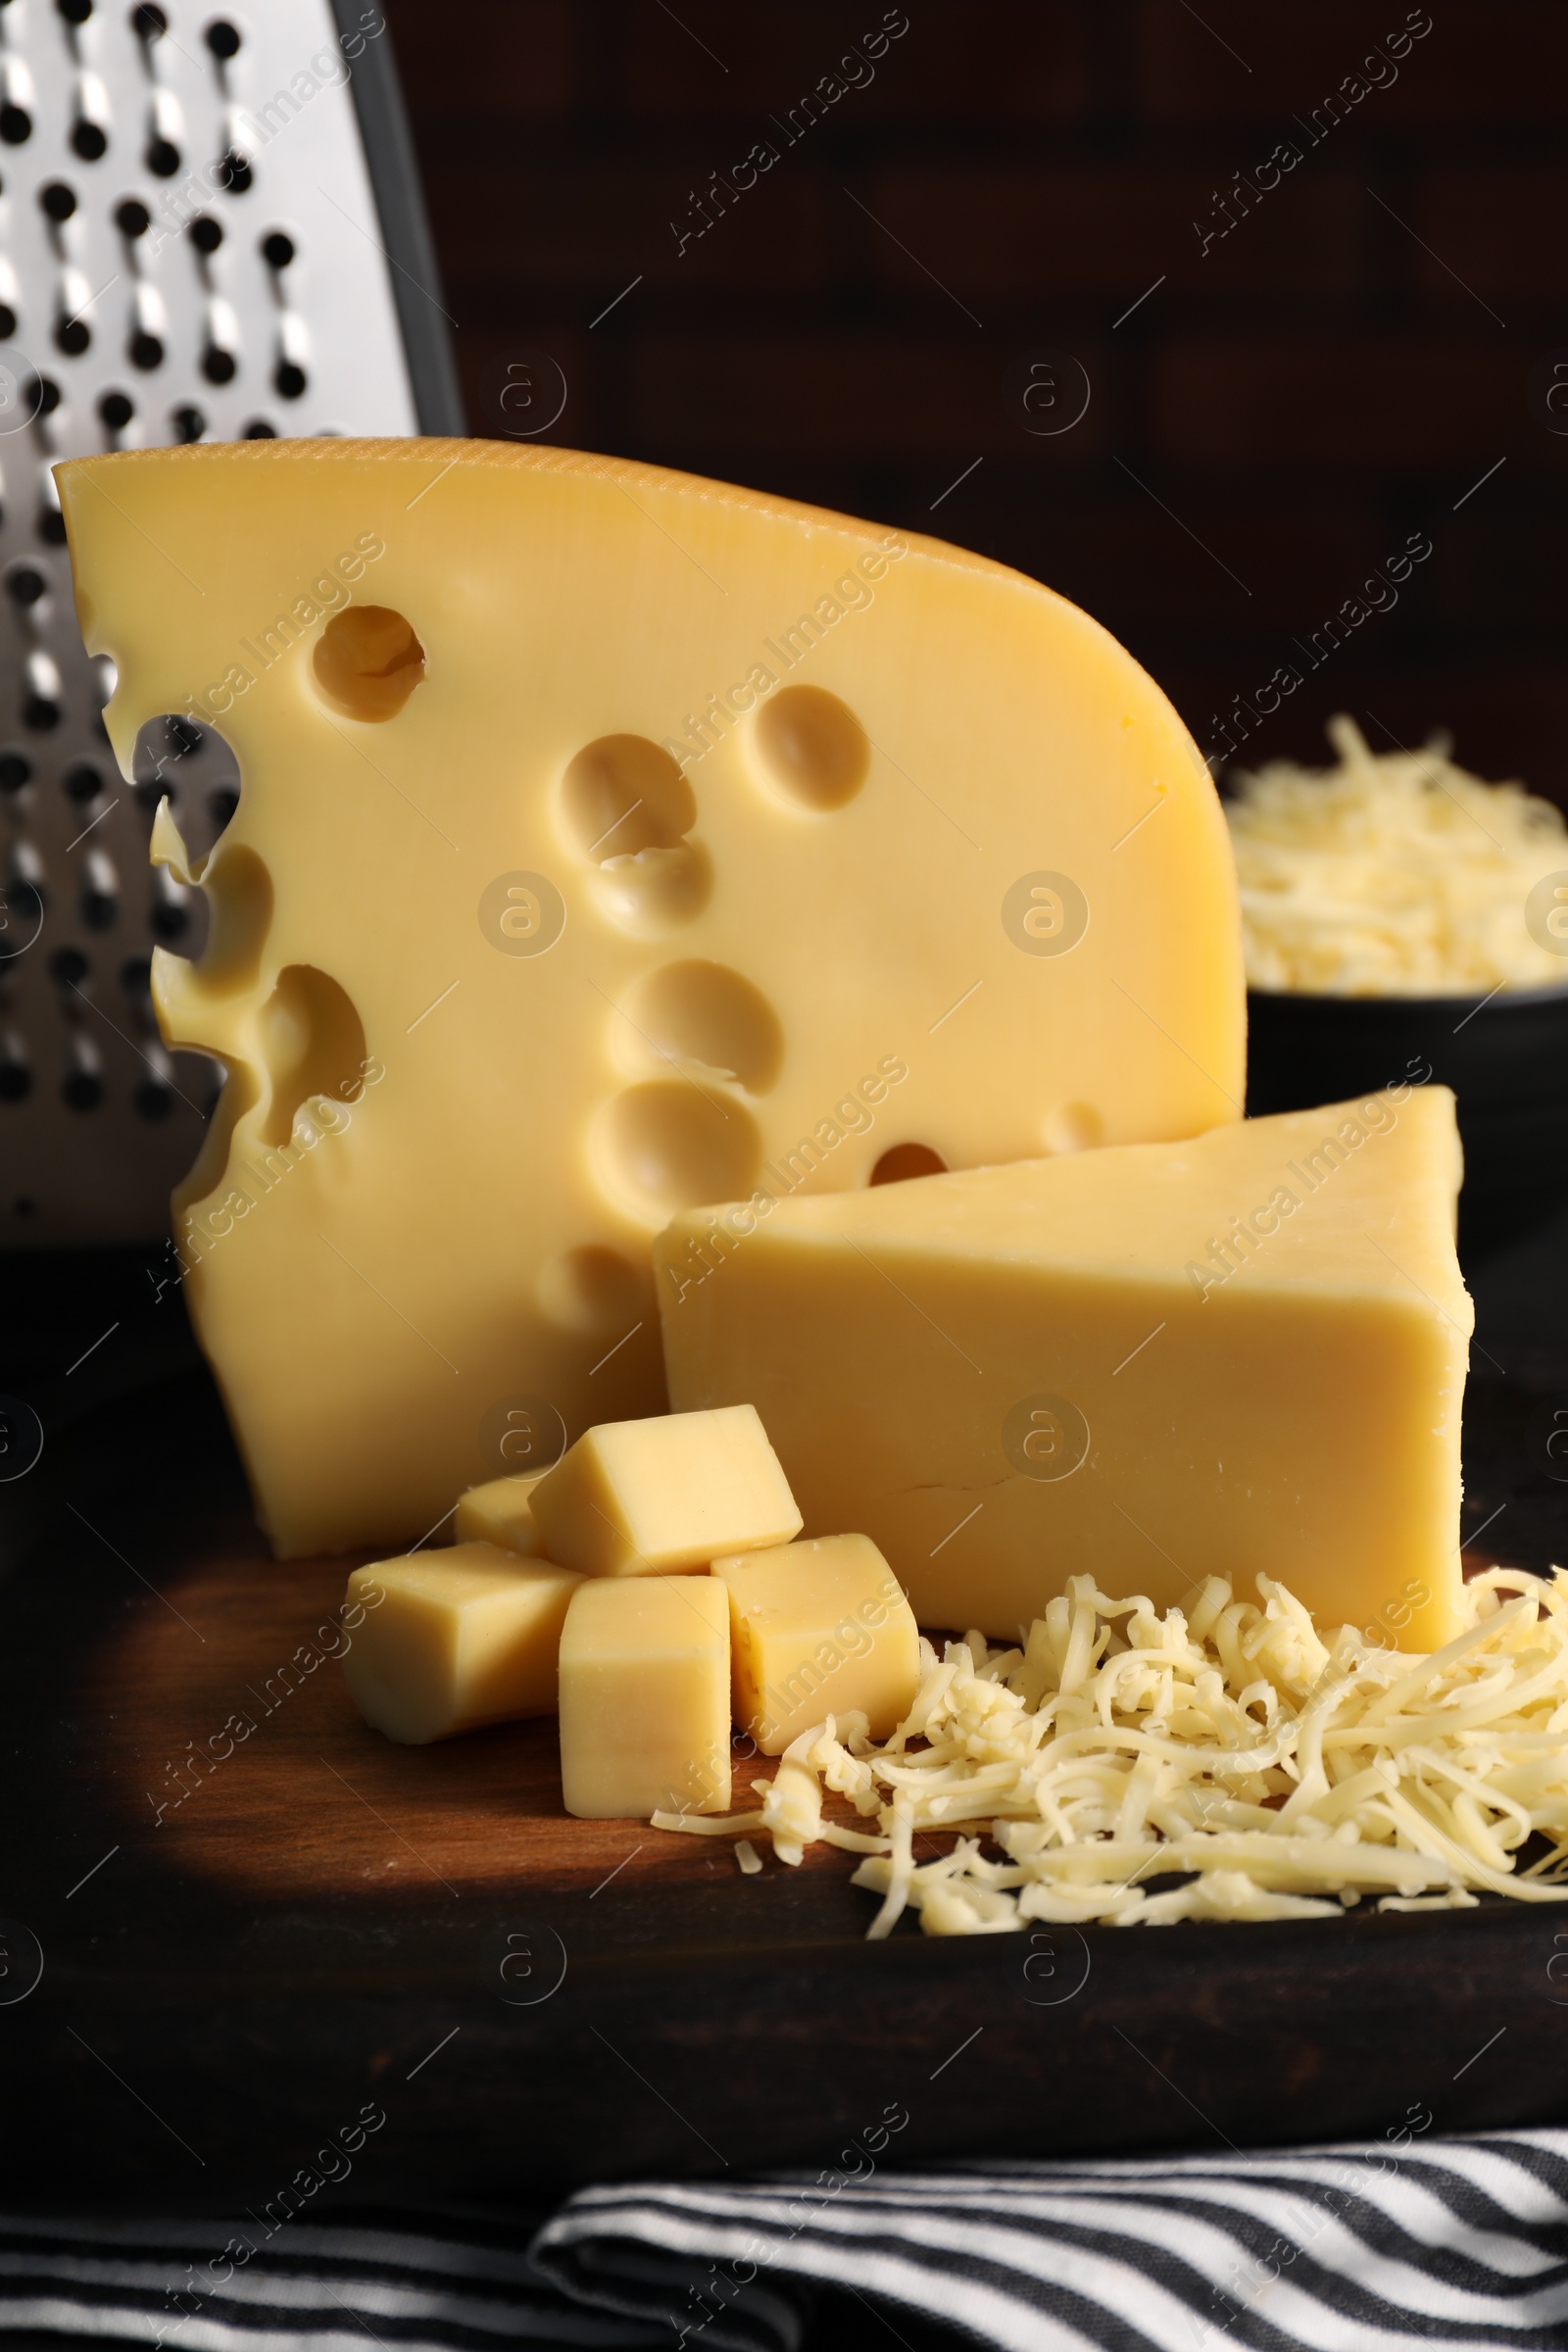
<point>1280,1777</point>
<point>1395,874</point>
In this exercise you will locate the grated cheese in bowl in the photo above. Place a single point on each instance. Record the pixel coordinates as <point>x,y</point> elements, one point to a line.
<point>1393,875</point>
<point>1277,1775</point>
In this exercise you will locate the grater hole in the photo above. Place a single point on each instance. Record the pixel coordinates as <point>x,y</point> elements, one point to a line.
<point>89,141</point>
<point>206,233</point>
<point>58,200</point>
<point>26,889</point>
<point>172,912</point>
<point>218,367</point>
<point>15,770</point>
<point>154,1098</point>
<point>75,12</point>
<point>189,422</point>
<point>15,125</point>
<point>162,158</point>
<point>148,22</point>
<point>52,530</point>
<point>8,322</point>
<point>73,336</point>
<point>222,39</point>
<point>100,893</point>
<point>232,173</point>
<point>146,351</point>
<point>259,429</point>
<point>83,782</point>
<point>26,584</point>
<point>289,380</point>
<point>132,219</point>
<point>68,967</point>
<point>277,250</point>
<point>117,409</point>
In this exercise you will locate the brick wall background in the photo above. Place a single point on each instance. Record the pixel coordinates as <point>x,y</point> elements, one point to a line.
<point>1338,371</point>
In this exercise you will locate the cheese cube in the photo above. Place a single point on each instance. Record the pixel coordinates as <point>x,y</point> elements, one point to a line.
<point>501,1512</point>
<point>645,1697</point>
<point>649,1498</point>
<point>1155,1363</point>
<point>456,1638</point>
<point>815,1629</point>
<point>495,961</point>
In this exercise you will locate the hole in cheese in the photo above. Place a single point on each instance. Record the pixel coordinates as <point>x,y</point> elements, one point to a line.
<point>670,1146</point>
<point>313,1042</point>
<point>593,1289</point>
<point>1072,1127</point>
<point>368,662</point>
<point>623,794</point>
<point>904,1160</point>
<point>813,747</point>
<point>238,890</point>
<point>656,889</point>
<point>704,1012</point>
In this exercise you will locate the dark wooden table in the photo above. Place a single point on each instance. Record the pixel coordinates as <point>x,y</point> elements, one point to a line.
<point>323,1924</point>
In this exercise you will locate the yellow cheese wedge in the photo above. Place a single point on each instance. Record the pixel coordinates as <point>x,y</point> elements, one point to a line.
<point>501,1511</point>
<point>1154,1364</point>
<point>649,1498</point>
<point>611,841</point>
<point>817,1629</point>
<point>645,1697</point>
<point>456,1638</point>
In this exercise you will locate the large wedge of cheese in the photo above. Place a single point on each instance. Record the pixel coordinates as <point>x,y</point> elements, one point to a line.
<point>1154,1364</point>
<point>612,842</point>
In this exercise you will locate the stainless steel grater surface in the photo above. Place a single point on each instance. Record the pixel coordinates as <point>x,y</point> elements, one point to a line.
<point>209,228</point>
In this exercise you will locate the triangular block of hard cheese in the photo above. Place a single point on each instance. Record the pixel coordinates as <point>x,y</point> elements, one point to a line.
<point>606,838</point>
<point>1150,1364</point>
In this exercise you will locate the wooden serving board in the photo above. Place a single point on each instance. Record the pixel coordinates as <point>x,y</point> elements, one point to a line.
<point>317,1926</point>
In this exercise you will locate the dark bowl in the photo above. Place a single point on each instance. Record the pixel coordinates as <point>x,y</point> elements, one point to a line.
<point>1505,1057</point>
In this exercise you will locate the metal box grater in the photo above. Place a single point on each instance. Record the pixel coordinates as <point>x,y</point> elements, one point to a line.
<point>209,228</point>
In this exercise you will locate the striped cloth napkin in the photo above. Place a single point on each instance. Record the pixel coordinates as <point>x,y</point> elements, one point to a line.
<point>1455,2242</point>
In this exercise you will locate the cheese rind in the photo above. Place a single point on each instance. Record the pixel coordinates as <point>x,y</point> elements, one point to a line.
<point>454,1639</point>
<point>1155,1364</point>
<point>522,937</point>
<point>501,1511</point>
<point>817,1628</point>
<point>645,1697</point>
<point>652,1497</point>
